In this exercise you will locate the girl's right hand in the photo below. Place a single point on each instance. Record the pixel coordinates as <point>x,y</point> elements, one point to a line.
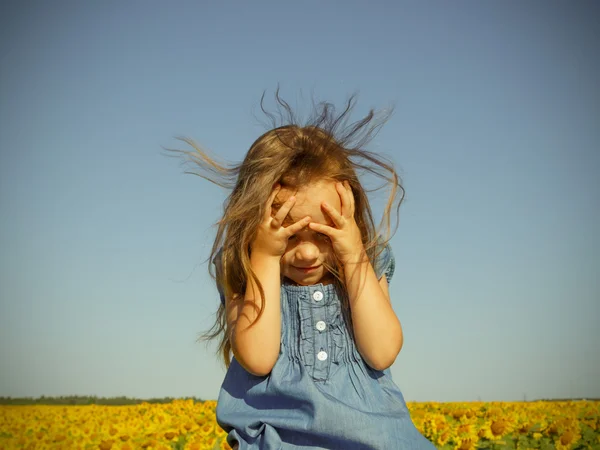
<point>271,237</point>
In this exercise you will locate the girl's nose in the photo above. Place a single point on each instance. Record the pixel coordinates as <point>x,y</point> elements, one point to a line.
<point>307,251</point>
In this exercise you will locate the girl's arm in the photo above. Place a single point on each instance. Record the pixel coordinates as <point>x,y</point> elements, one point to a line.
<point>256,347</point>
<point>255,342</point>
<point>377,330</point>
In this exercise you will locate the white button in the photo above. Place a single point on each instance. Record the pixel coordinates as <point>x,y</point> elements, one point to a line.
<point>322,355</point>
<point>318,296</point>
<point>321,325</point>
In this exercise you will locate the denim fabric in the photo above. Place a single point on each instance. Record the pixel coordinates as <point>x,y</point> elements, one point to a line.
<point>320,394</point>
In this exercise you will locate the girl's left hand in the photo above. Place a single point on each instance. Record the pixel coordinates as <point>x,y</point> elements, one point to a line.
<point>345,237</point>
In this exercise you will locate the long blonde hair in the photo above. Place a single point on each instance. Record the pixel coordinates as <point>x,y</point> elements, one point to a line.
<point>325,147</point>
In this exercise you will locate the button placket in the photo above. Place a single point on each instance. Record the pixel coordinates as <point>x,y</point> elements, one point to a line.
<point>321,367</point>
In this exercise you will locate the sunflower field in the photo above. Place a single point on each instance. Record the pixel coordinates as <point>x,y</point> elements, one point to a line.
<point>191,425</point>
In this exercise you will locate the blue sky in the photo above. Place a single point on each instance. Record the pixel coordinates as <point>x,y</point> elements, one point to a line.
<point>103,280</point>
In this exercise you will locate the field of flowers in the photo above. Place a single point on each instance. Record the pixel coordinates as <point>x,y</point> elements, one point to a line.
<point>189,425</point>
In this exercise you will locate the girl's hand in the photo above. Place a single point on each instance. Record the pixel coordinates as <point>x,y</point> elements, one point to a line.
<point>345,237</point>
<point>271,237</point>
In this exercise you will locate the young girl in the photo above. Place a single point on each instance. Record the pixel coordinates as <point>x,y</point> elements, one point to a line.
<point>303,276</point>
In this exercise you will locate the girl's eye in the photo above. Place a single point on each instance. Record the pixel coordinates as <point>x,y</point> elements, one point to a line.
<point>323,236</point>
<point>292,237</point>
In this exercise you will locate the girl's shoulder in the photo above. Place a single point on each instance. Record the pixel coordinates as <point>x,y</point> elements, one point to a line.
<point>385,263</point>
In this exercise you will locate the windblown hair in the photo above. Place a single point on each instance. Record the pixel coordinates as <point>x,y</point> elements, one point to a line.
<point>326,147</point>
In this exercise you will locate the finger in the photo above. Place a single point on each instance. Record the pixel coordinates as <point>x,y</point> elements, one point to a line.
<point>319,228</point>
<point>351,201</point>
<point>271,199</point>
<point>341,190</point>
<point>295,227</point>
<point>344,197</point>
<point>338,220</point>
<point>283,212</point>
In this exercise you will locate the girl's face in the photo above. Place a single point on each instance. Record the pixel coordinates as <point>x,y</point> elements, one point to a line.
<point>307,250</point>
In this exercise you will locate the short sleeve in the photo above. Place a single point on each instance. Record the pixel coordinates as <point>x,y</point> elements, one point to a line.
<point>217,260</point>
<point>385,264</point>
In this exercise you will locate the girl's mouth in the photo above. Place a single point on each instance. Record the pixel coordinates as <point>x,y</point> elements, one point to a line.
<point>307,269</point>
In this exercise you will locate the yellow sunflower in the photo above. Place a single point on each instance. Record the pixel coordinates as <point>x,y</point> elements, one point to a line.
<point>567,439</point>
<point>495,429</point>
<point>443,438</point>
<point>468,443</point>
<point>207,429</point>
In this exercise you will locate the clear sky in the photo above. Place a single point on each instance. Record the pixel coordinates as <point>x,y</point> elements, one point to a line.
<point>103,240</point>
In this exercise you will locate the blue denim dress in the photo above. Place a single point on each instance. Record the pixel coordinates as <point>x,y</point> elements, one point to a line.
<point>320,394</point>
